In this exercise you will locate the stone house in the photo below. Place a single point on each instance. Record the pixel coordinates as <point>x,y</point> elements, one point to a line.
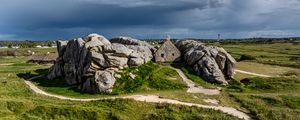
<point>167,52</point>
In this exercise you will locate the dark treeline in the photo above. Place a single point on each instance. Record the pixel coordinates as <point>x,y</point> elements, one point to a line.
<point>295,40</point>
<point>26,43</point>
<point>31,44</point>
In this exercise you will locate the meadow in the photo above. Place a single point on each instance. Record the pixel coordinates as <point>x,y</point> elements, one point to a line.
<point>275,97</point>
<point>17,101</point>
<point>282,54</point>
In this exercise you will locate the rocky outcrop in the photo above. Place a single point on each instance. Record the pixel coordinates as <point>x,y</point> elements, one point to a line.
<point>90,62</point>
<point>132,41</point>
<point>142,51</point>
<point>212,63</point>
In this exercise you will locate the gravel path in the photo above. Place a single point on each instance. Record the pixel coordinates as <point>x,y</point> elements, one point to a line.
<point>193,88</point>
<point>6,64</point>
<point>251,73</point>
<point>143,98</point>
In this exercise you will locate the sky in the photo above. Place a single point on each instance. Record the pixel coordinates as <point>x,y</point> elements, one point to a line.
<point>145,19</point>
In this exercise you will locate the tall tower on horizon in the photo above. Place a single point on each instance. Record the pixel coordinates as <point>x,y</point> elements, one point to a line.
<point>219,37</point>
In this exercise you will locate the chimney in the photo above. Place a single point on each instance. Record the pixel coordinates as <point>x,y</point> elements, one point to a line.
<point>168,37</point>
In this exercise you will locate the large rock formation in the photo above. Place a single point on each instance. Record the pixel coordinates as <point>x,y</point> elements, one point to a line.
<point>90,62</point>
<point>142,51</point>
<point>212,63</point>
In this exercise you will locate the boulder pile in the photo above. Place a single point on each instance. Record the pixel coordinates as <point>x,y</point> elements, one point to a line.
<point>89,63</point>
<point>212,63</point>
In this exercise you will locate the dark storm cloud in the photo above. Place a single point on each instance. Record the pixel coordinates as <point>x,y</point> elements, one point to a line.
<point>55,19</point>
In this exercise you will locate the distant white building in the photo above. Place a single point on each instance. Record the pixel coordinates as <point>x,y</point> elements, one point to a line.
<point>15,47</point>
<point>3,47</point>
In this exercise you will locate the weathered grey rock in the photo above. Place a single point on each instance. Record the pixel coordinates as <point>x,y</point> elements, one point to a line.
<point>115,61</point>
<point>131,75</point>
<point>56,69</point>
<point>103,81</point>
<point>136,61</point>
<point>61,46</point>
<point>131,41</point>
<point>90,62</point>
<point>212,63</point>
<point>140,55</point>
<point>208,68</point>
<point>99,58</point>
<point>71,60</point>
<point>192,56</point>
<point>121,50</point>
<point>95,38</point>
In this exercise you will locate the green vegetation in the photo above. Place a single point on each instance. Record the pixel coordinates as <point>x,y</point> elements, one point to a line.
<point>36,50</point>
<point>273,98</point>
<point>264,98</point>
<point>17,101</point>
<point>26,43</point>
<point>283,54</point>
<point>100,110</point>
<point>149,76</point>
<point>247,57</point>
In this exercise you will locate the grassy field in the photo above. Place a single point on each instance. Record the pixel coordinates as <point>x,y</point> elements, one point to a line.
<point>275,98</point>
<point>36,50</point>
<point>17,101</point>
<point>271,70</point>
<point>283,54</point>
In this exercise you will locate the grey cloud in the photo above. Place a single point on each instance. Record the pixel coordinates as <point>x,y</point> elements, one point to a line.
<point>55,19</point>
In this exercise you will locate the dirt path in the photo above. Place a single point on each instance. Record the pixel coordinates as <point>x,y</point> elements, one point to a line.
<point>251,73</point>
<point>6,64</point>
<point>193,88</point>
<point>144,98</point>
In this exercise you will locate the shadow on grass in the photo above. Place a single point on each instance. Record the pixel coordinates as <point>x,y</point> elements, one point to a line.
<point>43,81</point>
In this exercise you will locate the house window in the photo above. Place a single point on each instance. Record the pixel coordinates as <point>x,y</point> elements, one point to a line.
<point>173,54</point>
<point>162,55</point>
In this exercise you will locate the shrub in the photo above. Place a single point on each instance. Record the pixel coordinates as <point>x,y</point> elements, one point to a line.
<point>291,73</point>
<point>294,58</point>
<point>247,57</point>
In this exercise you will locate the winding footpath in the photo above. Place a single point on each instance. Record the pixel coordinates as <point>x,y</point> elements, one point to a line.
<point>143,98</point>
<point>193,88</point>
<point>251,73</point>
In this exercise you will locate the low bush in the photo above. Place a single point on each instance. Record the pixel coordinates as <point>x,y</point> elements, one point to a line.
<point>247,57</point>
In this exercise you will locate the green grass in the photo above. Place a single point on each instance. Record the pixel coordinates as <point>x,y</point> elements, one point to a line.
<point>270,107</point>
<point>149,77</point>
<point>282,54</point>
<point>17,101</point>
<point>36,50</point>
<point>264,98</point>
<point>273,98</point>
<point>106,109</point>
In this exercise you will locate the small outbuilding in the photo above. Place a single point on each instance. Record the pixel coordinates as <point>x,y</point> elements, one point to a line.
<point>49,58</point>
<point>167,52</point>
